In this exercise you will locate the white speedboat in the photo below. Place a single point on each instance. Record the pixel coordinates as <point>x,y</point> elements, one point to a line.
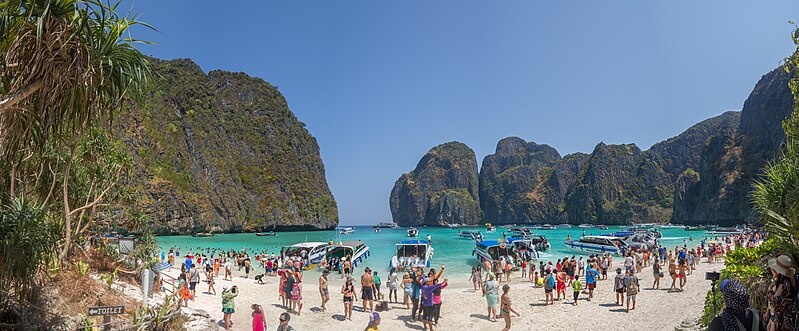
<point>313,251</point>
<point>387,225</point>
<point>586,226</point>
<point>471,235</point>
<point>725,231</point>
<point>490,228</point>
<point>354,250</point>
<point>638,239</point>
<point>347,230</point>
<point>412,253</point>
<point>413,232</point>
<point>539,242</point>
<point>671,226</point>
<point>546,227</point>
<point>597,244</point>
<point>564,226</point>
<point>516,248</point>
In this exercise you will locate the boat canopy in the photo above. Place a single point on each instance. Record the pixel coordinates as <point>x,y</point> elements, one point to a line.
<point>408,248</point>
<point>414,242</point>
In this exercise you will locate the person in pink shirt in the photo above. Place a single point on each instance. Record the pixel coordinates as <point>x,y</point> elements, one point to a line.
<point>258,321</point>
<point>437,300</point>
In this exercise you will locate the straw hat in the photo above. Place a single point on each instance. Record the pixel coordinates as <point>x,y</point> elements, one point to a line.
<point>781,264</point>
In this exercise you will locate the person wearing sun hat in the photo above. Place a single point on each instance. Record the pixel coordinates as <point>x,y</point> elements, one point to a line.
<point>782,294</point>
<point>374,322</point>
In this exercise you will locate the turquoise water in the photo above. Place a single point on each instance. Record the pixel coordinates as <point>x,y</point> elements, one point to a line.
<point>451,250</point>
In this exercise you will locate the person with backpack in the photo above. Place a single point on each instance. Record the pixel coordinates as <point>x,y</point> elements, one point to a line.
<point>549,285</point>
<point>737,315</point>
<point>619,287</point>
<point>633,287</point>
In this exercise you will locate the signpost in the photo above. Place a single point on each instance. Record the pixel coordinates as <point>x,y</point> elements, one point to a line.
<point>106,312</point>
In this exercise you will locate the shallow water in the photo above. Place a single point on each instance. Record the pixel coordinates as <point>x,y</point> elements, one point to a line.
<point>450,249</point>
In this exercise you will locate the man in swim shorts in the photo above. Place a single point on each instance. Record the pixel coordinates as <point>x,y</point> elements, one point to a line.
<point>367,289</point>
<point>323,291</point>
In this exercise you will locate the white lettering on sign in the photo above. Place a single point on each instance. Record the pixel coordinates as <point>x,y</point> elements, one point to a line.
<point>113,310</point>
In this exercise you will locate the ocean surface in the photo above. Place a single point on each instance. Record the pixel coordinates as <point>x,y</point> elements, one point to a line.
<point>450,249</point>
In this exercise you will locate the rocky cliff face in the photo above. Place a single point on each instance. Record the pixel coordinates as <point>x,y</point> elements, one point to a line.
<point>620,184</point>
<point>441,190</point>
<point>223,152</point>
<point>731,162</point>
<point>525,182</point>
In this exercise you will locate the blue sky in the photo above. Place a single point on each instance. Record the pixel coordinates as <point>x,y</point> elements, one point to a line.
<point>378,83</point>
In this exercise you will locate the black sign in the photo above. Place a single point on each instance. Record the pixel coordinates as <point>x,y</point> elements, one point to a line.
<point>111,310</point>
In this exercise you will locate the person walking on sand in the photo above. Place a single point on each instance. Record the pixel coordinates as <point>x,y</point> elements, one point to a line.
<point>591,275</point>
<point>348,290</point>
<point>657,273</point>
<point>491,293</point>
<point>194,278</point>
<point>228,270</point>
<point>631,282</point>
<point>378,282</point>
<point>577,286</point>
<point>549,286</point>
<point>506,307</point>
<point>681,274</point>
<point>672,273</point>
<point>323,290</point>
<point>296,293</point>
<point>229,303</point>
<point>393,284</point>
<point>209,278</point>
<point>368,289</point>
<point>288,288</point>
<point>258,320</point>
<point>619,286</point>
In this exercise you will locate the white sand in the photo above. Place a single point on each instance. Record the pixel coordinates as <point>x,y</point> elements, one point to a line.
<point>464,309</point>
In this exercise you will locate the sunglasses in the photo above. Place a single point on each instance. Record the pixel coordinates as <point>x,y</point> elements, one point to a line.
<point>282,320</point>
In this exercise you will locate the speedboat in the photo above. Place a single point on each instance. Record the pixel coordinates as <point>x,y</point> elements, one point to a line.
<point>413,232</point>
<point>516,248</point>
<point>490,228</point>
<point>412,253</point>
<point>638,239</point>
<point>354,250</point>
<point>601,226</point>
<point>539,242</point>
<point>693,228</point>
<point>455,225</point>
<point>670,226</point>
<point>547,227</point>
<point>313,251</point>
<point>203,234</point>
<point>471,235</point>
<point>725,231</point>
<point>377,230</point>
<point>586,226</point>
<point>642,226</point>
<point>267,234</point>
<point>346,230</point>
<point>598,244</point>
<point>565,226</point>
<point>387,225</point>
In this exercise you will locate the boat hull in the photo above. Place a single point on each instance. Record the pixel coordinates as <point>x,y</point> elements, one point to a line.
<point>591,248</point>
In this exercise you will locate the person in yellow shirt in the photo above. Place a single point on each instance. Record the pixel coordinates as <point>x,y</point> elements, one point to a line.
<point>374,322</point>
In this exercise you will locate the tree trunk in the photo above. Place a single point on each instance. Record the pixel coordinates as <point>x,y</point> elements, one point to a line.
<point>22,94</point>
<point>67,212</point>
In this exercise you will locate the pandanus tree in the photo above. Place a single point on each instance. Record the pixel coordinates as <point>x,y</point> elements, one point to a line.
<point>65,66</point>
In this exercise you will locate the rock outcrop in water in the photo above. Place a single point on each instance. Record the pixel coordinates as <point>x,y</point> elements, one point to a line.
<point>719,192</point>
<point>525,182</point>
<point>222,152</point>
<point>441,190</point>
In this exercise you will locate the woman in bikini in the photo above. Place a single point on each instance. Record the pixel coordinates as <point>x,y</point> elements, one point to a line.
<point>506,308</point>
<point>348,291</point>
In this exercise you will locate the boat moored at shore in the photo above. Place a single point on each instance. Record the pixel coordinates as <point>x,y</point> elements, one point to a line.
<point>413,232</point>
<point>598,244</point>
<point>412,253</point>
<point>312,251</point>
<point>354,250</point>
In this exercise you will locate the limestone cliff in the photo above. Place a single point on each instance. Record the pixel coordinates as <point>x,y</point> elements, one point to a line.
<point>222,152</point>
<point>441,190</point>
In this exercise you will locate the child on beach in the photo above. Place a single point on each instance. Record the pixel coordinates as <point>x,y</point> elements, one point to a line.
<point>258,320</point>
<point>524,269</point>
<point>577,286</point>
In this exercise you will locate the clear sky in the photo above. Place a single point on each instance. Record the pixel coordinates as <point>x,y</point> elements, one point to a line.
<point>378,83</point>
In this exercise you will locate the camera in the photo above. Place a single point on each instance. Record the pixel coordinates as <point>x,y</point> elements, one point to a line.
<point>712,276</point>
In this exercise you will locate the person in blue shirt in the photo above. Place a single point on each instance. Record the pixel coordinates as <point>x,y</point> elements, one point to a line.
<point>187,263</point>
<point>591,275</point>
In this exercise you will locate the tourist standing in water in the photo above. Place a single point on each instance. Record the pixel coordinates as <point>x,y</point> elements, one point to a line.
<point>506,307</point>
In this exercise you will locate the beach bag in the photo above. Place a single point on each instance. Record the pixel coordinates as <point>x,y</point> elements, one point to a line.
<point>551,281</point>
<point>382,306</point>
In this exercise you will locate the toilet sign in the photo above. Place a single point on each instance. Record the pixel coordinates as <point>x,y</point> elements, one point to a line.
<point>110,310</point>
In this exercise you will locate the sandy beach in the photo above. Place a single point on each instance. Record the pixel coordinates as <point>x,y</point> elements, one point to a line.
<point>463,308</point>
